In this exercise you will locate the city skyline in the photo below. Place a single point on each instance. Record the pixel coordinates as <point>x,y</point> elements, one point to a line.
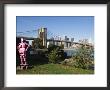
<point>77,27</point>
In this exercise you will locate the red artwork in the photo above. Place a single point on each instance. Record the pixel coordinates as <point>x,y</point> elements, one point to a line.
<point>22,48</point>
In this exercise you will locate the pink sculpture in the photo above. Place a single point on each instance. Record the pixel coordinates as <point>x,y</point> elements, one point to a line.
<point>22,48</point>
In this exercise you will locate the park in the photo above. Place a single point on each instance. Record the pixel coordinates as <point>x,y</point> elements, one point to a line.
<point>53,60</point>
<point>64,45</point>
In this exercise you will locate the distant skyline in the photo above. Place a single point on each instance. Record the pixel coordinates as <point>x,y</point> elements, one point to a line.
<point>77,27</point>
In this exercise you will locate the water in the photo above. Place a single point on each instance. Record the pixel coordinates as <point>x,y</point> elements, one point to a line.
<point>70,52</point>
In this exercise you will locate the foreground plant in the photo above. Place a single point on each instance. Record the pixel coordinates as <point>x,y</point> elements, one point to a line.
<point>84,57</point>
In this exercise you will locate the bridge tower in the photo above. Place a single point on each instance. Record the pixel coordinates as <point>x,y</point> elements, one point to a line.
<point>42,34</point>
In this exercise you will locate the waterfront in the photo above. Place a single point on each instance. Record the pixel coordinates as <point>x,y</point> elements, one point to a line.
<point>51,47</point>
<point>70,52</point>
<point>73,51</point>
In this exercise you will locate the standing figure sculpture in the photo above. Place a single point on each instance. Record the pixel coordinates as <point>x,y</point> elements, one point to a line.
<point>22,48</point>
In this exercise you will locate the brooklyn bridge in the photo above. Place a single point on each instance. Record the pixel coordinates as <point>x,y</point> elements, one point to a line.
<point>43,33</point>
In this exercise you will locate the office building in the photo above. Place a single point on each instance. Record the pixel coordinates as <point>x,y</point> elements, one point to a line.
<point>72,39</point>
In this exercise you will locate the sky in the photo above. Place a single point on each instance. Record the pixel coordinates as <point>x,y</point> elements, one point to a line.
<point>77,27</point>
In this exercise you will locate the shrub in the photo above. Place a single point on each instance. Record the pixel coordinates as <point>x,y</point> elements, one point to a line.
<point>83,58</point>
<point>52,47</point>
<point>53,56</point>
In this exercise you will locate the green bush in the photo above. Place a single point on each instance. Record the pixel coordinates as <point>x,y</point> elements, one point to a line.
<point>52,47</point>
<point>53,56</point>
<point>83,58</point>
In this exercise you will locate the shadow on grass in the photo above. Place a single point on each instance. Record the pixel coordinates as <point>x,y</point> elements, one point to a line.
<point>37,59</point>
<point>34,60</point>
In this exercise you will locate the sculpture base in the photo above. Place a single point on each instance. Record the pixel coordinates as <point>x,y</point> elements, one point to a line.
<point>23,66</point>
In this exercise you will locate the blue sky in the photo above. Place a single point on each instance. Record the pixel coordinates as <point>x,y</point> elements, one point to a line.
<point>77,27</point>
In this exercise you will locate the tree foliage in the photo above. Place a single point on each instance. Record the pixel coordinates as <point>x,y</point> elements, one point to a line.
<point>84,57</point>
<point>37,44</point>
<point>55,54</point>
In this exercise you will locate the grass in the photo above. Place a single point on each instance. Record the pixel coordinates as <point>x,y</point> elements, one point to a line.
<point>40,65</point>
<point>54,69</point>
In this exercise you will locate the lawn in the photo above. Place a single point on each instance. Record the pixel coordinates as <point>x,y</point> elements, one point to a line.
<point>54,69</point>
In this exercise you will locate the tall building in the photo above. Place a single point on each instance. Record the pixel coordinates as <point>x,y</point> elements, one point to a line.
<point>66,44</point>
<point>65,38</point>
<point>72,39</point>
<point>42,34</point>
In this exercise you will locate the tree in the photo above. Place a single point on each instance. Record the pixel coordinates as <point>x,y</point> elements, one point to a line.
<point>52,47</point>
<point>62,46</point>
<point>55,54</point>
<point>37,43</point>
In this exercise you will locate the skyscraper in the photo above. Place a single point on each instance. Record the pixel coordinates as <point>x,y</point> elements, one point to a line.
<point>65,38</point>
<point>66,44</point>
<point>72,39</point>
